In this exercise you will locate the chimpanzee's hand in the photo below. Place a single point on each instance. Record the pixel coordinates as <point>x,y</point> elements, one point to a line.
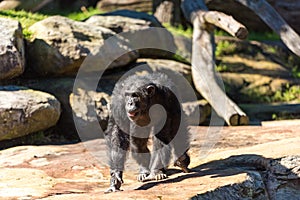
<point>116,180</point>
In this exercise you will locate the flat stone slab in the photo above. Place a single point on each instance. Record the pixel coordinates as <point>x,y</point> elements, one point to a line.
<point>79,171</point>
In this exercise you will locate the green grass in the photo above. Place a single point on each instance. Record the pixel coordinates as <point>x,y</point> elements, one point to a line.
<point>179,30</point>
<point>25,18</point>
<point>288,94</point>
<point>84,14</point>
<point>225,47</point>
<point>222,68</point>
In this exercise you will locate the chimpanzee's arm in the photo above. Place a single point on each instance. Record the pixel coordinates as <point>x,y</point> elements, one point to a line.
<point>118,145</point>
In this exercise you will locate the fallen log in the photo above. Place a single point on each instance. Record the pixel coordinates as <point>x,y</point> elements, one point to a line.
<point>203,66</point>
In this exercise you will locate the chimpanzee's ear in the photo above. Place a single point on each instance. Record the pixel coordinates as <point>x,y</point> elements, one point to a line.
<point>151,90</point>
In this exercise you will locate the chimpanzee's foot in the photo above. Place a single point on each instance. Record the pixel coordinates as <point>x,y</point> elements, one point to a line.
<point>142,176</point>
<point>144,172</point>
<point>156,175</point>
<point>183,162</point>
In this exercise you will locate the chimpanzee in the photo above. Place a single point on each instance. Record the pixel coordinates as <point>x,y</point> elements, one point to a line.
<point>142,105</point>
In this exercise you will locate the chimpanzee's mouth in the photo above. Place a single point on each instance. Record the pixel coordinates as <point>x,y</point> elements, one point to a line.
<point>132,114</point>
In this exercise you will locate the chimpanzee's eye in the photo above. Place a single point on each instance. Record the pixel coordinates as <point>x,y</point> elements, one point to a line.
<point>134,95</point>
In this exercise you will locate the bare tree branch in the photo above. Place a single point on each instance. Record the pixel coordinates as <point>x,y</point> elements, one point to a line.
<point>269,15</point>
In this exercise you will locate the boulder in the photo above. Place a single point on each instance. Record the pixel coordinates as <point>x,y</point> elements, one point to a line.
<point>12,59</point>
<point>59,46</point>
<point>24,111</point>
<point>61,88</point>
<point>150,43</point>
<point>91,109</point>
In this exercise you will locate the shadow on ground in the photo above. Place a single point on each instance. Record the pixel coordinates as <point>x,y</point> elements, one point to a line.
<point>266,178</point>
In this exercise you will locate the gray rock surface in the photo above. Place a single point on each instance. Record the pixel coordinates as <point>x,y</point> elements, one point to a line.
<point>60,45</point>
<point>12,59</point>
<point>24,111</point>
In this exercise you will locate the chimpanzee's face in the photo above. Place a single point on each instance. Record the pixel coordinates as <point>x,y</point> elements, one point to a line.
<point>137,103</point>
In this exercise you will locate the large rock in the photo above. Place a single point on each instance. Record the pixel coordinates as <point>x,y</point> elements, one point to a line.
<point>24,111</point>
<point>12,57</point>
<point>135,26</point>
<point>60,45</point>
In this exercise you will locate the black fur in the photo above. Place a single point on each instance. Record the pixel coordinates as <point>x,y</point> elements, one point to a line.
<point>134,115</point>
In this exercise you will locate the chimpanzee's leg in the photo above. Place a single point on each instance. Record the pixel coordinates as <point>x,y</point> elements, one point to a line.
<point>181,144</point>
<point>118,144</point>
